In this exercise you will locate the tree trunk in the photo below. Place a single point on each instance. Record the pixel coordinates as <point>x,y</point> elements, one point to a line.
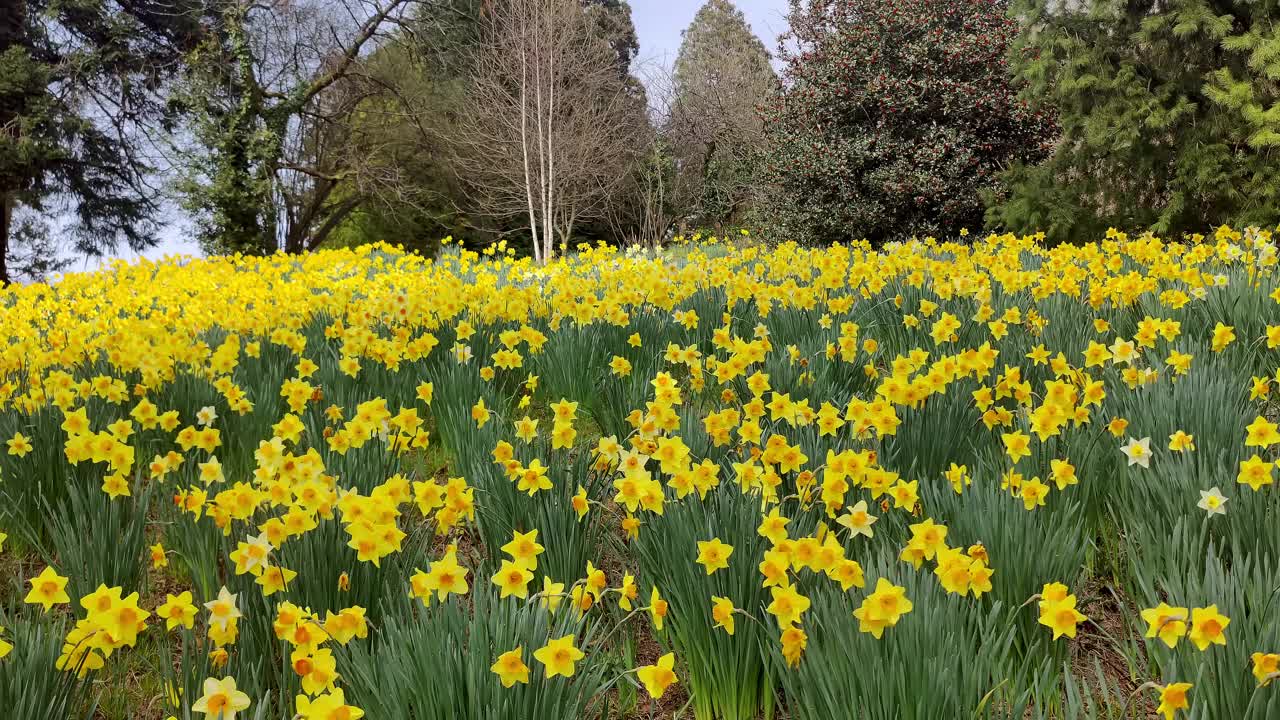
<point>13,25</point>
<point>6,222</point>
<point>566,228</point>
<point>539,106</point>
<point>524,138</point>
<point>336,216</point>
<point>550,211</point>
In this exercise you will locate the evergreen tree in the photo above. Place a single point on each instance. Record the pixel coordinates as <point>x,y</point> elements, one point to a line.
<point>79,85</point>
<point>613,21</point>
<point>1169,113</point>
<point>722,77</point>
<point>896,117</point>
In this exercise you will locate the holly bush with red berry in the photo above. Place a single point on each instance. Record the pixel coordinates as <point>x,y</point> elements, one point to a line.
<point>895,118</point>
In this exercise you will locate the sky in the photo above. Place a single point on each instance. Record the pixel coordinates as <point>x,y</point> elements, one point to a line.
<point>659,24</point>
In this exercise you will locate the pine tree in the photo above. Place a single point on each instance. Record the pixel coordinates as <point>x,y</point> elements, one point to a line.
<point>613,22</point>
<point>79,83</point>
<point>1169,113</point>
<point>722,76</point>
<point>896,117</point>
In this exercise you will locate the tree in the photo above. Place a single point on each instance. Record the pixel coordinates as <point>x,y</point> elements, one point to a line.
<point>611,21</point>
<point>272,93</point>
<point>411,127</point>
<point>421,78</point>
<point>722,78</point>
<point>1170,115</point>
<point>644,210</point>
<point>550,122</point>
<point>398,133</point>
<point>80,87</point>
<point>895,118</point>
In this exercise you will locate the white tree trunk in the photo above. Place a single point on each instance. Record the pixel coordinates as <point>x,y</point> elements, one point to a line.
<point>548,212</point>
<point>540,80</point>
<point>569,142</point>
<point>524,138</point>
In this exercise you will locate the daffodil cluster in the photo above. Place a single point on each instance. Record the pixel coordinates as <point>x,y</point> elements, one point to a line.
<point>794,471</point>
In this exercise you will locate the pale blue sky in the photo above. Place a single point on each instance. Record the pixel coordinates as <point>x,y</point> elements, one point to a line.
<point>658,24</point>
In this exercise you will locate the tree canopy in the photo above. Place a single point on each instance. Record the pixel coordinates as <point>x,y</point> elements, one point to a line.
<point>459,175</point>
<point>270,95</point>
<point>288,126</point>
<point>722,77</point>
<point>1170,116</point>
<point>81,84</point>
<point>895,118</point>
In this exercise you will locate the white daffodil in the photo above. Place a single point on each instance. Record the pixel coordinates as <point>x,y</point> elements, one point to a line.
<point>858,520</point>
<point>1213,501</point>
<point>206,416</point>
<point>223,609</point>
<point>1138,452</point>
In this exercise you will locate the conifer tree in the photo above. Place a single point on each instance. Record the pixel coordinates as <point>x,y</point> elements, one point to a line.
<point>80,83</point>
<point>1170,116</point>
<point>722,77</point>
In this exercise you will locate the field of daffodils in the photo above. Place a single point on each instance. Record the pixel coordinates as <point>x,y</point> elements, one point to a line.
<point>725,480</point>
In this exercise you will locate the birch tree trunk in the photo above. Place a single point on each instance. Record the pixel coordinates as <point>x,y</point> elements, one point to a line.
<point>548,212</point>
<point>524,136</point>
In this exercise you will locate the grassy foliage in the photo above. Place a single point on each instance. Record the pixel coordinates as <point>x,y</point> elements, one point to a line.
<point>722,481</point>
